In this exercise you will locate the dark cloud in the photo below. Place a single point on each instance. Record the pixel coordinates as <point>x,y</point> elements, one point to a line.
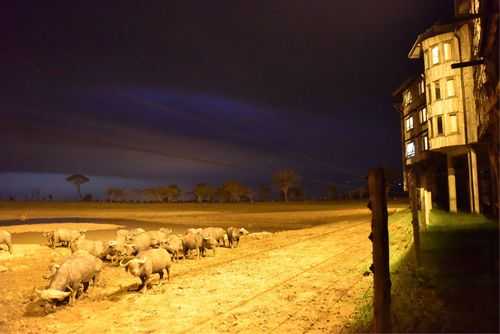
<point>206,88</point>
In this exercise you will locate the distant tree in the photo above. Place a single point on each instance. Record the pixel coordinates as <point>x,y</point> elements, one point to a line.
<point>248,194</point>
<point>284,180</point>
<point>115,194</point>
<point>296,193</point>
<point>203,192</point>
<point>152,194</point>
<point>87,198</point>
<point>332,191</point>
<point>235,190</point>
<point>264,192</point>
<point>78,180</point>
<point>173,192</point>
<point>221,195</point>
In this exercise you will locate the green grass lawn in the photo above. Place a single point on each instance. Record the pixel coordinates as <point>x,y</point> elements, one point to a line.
<point>456,287</point>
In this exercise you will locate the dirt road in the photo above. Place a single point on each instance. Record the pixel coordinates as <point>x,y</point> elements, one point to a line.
<point>300,281</point>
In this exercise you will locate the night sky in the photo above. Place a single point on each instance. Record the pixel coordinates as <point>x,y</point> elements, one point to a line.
<point>162,92</point>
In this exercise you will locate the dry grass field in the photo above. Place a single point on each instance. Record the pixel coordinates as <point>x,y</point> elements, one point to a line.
<point>307,276</point>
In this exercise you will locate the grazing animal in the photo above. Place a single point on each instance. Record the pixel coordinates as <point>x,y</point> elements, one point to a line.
<point>174,245</point>
<point>160,235</point>
<point>121,235</point>
<point>234,234</point>
<point>192,242</point>
<point>64,237</point>
<point>95,248</point>
<point>50,238</point>
<point>6,239</point>
<point>216,233</point>
<point>208,243</point>
<point>140,242</point>
<point>115,251</point>
<point>147,263</point>
<point>133,233</point>
<point>71,278</point>
<point>194,231</point>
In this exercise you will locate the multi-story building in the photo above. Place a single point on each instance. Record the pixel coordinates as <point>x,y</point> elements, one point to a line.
<point>442,116</point>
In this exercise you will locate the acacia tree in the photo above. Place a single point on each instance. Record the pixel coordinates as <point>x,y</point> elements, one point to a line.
<point>173,192</point>
<point>284,180</point>
<point>221,195</point>
<point>203,192</point>
<point>249,194</point>
<point>77,180</point>
<point>234,189</point>
<point>153,194</point>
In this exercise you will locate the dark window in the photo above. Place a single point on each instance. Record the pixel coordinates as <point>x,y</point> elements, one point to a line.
<point>437,90</point>
<point>440,128</point>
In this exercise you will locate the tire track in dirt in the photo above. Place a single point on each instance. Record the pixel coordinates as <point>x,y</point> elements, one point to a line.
<point>318,266</point>
<point>195,268</point>
<point>284,244</point>
<point>333,294</point>
<point>322,320</point>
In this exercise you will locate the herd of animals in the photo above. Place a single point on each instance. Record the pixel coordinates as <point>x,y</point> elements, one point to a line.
<point>142,254</point>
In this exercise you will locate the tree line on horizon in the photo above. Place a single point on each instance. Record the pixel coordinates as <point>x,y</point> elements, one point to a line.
<point>287,181</point>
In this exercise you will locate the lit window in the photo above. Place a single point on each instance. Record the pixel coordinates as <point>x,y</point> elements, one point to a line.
<point>426,59</point>
<point>409,123</point>
<point>425,143</point>
<point>435,55</point>
<point>423,115</point>
<point>440,127</point>
<point>453,123</point>
<point>437,90</point>
<point>410,149</point>
<point>428,95</point>
<point>407,98</point>
<point>421,87</point>
<point>447,51</point>
<point>450,87</point>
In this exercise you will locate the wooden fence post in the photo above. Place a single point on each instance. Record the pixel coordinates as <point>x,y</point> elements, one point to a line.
<point>380,240</point>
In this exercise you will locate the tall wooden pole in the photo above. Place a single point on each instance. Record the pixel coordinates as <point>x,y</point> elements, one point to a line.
<point>380,240</point>
<point>412,183</point>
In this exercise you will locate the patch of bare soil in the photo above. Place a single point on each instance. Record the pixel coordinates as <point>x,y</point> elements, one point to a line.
<point>51,227</point>
<point>301,281</point>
